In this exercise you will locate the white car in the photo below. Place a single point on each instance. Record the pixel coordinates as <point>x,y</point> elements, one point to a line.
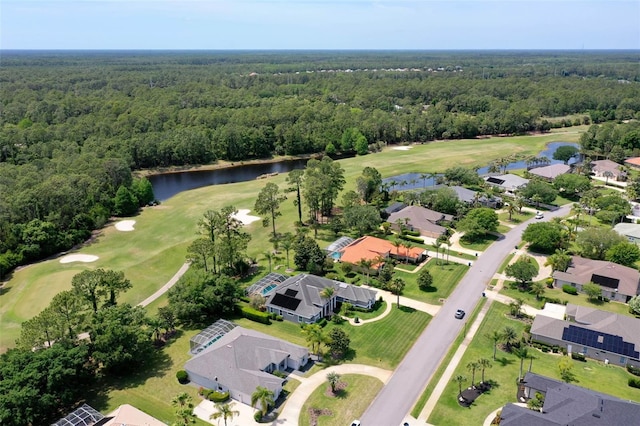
<point>539,215</point>
<point>355,423</point>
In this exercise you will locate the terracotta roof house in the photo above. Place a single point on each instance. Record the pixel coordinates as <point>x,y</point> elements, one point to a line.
<point>600,167</point>
<point>124,415</point>
<point>509,183</point>
<point>244,359</point>
<point>597,334</point>
<point>468,196</point>
<point>376,250</point>
<point>618,282</point>
<point>550,172</point>
<point>299,299</point>
<point>633,162</point>
<point>629,230</point>
<point>421,219</point>
<point>566,404</point>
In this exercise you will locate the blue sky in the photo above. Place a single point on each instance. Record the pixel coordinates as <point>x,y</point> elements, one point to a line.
<point>319,24</point>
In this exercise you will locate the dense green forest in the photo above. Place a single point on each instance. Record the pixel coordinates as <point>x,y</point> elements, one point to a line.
<point>75,124</point>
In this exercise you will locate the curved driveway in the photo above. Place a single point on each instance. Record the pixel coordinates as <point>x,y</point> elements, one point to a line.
<point>409,380</point>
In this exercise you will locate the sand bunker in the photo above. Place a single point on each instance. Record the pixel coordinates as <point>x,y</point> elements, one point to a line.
<point>79,258</point>
<point>244,217</point>
<point>125,225</point>
<point>402,148</point>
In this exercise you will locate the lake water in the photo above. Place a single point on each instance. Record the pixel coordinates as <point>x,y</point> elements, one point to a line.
<point>167,185</point>
<point>415,181</point>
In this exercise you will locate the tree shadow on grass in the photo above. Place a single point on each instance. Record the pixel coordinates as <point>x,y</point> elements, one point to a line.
<point>504,361</point>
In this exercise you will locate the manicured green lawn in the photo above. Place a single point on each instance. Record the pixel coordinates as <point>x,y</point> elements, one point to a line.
<point>505,263</point>
<point>515,217</point>
<point>593,375</point>
<point>445,279</point>
<point>378,310</point>
<point>381,343</point>
<point>579,299</point>
<point>349,404</point>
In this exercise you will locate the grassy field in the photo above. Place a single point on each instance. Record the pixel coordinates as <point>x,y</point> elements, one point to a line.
<point>150,255</point>
<point>480,244</point>
<point>594,375</point>
<point>516,218</point>
<point>381,343</point>
<point>557,293</point>
<point>348,404</point>
<point>445,279</point>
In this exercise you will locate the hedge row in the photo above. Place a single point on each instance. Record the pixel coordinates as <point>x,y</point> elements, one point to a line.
<point>412,239</point>
<point>634,383</point>
<point>578,356</point>
<point>253,315</point>
<point>633,370</point>
<point>569,289</point>
<point>217,396</point>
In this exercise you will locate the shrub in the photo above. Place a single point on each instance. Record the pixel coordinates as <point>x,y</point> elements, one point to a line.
<point>549,282</point>
<point>633,370</point>
<point>217,396</point>
<point>578,356</point>
<point>257,416</point>
<point>279,318</point>
<point>333,276</point>
<point>355,279</point>
<point>280,374</point>
<point>634,383</point>
<point>182,377</point>
<point>337,319</point>
<point>253,315</point>
<point>322,322</point>
<point>569,289</point>
<point>412,233</point>
<point>553,300</point>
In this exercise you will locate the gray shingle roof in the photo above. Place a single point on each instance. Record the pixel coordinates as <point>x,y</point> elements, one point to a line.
<point>581,271</point>
<point>421,218</point>
<point>550,172</point>
<point>507,181</point>
<point>567,404</point>
<point>238,357</point>
<point>307,290</point>
<point>628,229</point>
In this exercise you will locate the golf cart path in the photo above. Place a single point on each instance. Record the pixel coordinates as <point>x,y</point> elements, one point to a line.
<point>162,290</point>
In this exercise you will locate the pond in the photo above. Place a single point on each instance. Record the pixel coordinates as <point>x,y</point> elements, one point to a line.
<point>419,181</point>
<point>167,185</point>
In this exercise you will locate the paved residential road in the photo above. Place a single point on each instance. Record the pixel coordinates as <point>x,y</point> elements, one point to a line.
<point>397,397</point>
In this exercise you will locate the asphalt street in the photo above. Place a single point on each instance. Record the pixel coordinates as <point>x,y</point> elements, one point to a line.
<point>397,397</point>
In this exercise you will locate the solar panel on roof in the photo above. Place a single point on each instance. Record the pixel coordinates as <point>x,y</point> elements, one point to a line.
<point>607,342</point>
<point>605,281</point>
<point>285,301</point>
<point>495,180</point>
<point>291,292</point>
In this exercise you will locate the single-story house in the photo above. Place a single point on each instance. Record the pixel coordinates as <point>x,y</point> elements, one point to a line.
<point>567,404</point>
<point>633,162</point>
<point>618,282</point>
<point>551,172</point>
<point>470,197</point>
<point>421,219</point>
<point>631,231</point>
<point>508,183</point>
<point>597,334</point>
<point>300,299</point>
<point>126,414</point>
<point>377,250</point>
<point>600,167</point>
<point>244,359</point>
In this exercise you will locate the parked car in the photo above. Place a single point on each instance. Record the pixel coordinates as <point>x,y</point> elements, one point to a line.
<point>539,215</point>
<point>460,314</point>
<point>355,423</point>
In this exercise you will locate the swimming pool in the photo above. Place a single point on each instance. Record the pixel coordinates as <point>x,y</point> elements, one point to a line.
<point>268,289</point>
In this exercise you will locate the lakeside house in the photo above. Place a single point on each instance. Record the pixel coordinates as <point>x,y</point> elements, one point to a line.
<point>549,173</point>
<point>415,218</point>
<point>509,183</point>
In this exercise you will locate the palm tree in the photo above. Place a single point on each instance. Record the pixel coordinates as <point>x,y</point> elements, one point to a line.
<point>333,379</point>
<point>484,364</point>
<point>509,337</point>
<point>459,379</point>
<point>265,397</point>
<point>607,175</point>
<point>511,208</point>
<point>397,244</point>
<point>531,358</point>
<point>424,177</point>
<point>436,245</point>
<point>314,336</point>
<point>181,400</point>
<point>155,324</point>
<point>516,307</point>
<point>408,246</point>
<point>366,265</point>
<point>225,412</point>
<point>327,293</point>
<point>184,409</point>
<point>538,289</point>
<point>522,353</point>
<point>268,256</point>
<point>287,243</point>
<point>473,366</point>
<point>396,286</point>
<point>496,336</point>
<point>446,242</point>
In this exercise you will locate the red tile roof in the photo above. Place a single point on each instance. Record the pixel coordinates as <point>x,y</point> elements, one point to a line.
<point>371,248</point>
<point>634,161</point>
